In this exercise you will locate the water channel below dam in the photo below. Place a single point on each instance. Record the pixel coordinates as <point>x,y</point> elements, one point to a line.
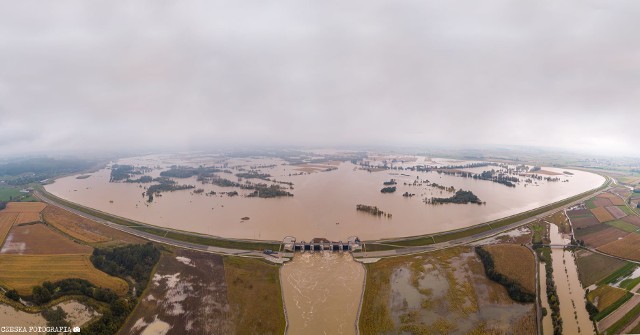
<point>322,292</point>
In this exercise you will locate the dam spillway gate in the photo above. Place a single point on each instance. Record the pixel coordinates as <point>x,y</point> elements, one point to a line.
<point>290,244</point>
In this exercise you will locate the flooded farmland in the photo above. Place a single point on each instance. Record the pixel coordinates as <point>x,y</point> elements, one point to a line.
<point>443,292</point>
<point>324,201</point>
<point>570,292</point>
<point>322,293</point>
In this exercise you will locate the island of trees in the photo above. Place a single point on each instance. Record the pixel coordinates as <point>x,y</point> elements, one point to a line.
<point>389,189</point>
<point>165,185</point>
<point>390,182</point>
<point>373,210</point>
<point>124,172</point>
<point>461,197</point>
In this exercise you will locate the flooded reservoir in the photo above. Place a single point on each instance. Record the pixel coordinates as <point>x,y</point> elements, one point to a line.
<point>324,198</point>
<point>570,292</point>
<point>322,293</point>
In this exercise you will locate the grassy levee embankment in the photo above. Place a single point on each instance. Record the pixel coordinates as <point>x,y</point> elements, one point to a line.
<point>177,235</point>
<point>389,244</point>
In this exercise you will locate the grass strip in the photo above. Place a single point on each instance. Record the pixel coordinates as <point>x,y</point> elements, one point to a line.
<point>617,327</point>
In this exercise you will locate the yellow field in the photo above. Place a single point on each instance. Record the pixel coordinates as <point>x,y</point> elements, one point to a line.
<point>27,217</point>
<point>6,222</point>
<point>73,225</point>
<point>17,207</point>
<point>606,296</point>
<point>626,247</point>
<point>602,214</point>
<point>22,272</point>
<point>516,262</point>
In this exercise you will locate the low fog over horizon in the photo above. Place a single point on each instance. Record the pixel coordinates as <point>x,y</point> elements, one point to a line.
<point>91,75</point>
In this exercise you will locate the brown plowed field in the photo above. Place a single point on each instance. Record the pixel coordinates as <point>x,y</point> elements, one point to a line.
<point>622,191</point>
<point>596,236</point>
<point>27,217</point>
<point>6,222</point>
<point>602,214</point>
<point>84,229</point>
<point>17,207</point>
<point>583,222</point>
<point>616,212</point>
<point>38,239</point>
<point>633,219</point>
<point>616,200</point>
<point>578,213</point>
<point>627,247</point>
<point>602,202</point>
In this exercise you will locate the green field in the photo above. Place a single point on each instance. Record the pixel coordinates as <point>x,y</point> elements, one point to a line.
<point>617,327</point>
<point>255,296</point>
<point>626,210</point>
<point>622,272</point>
<point>14,194</point>
<point>622,225</point>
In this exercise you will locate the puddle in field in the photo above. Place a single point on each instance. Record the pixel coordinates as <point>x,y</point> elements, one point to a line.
<point>430,299</point>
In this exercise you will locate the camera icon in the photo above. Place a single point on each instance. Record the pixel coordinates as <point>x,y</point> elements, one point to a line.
<point>76,329</point>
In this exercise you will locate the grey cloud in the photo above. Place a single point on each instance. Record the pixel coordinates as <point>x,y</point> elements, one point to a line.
<point>94,75</point>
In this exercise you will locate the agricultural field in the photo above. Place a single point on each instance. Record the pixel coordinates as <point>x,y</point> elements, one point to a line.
<point>598,235</point>
<point>616,212</point>
<point>28,240</point>
<point>422,294</point>
<point>22,272</point>
<point>592,267</point>
<point>621,192</point>
<point>616,321</point>
<point>601,202</point>
<point>21,207</point>
<point>624,226</point>
<point>626,247</point>
<point>605,296</point>
<point>633,219</point>
<point>84,229</point>
<point>188,293</point>
<point>13,194</point>
<point>602,214</point>
<point>615,200</point>
<point>584,222</point>
<point>254,295</point>
<point>6,222</point>
<point>27,217</point>
<point>576,213</point>
<point>582,218</point>
<point>516,262</point>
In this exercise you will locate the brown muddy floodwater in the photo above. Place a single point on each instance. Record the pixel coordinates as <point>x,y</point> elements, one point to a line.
<point>547,322</point>
<point>324,202</point>
<point>322,293</point>
<point>570,292</point>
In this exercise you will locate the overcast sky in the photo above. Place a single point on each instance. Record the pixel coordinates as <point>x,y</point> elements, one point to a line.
<point>81,74</point>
